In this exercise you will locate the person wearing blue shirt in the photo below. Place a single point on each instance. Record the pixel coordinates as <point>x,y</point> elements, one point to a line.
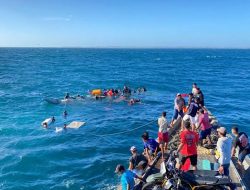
<point>127,177</point>
<point>151,147</point>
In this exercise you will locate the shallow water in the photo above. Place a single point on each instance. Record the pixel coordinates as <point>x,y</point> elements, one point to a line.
<point>35,158</point>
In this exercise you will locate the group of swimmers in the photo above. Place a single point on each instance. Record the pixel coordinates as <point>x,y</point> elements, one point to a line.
<point>52,120</point>
<point>123,94</point>
<point>195,130</point>
<point>126,91</point>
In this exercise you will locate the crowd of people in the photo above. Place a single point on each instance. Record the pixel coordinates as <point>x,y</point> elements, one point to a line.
<point>99,94</point>
<point>195,131</point>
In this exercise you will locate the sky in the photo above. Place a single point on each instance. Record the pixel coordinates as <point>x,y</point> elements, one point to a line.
<point>125,23</point>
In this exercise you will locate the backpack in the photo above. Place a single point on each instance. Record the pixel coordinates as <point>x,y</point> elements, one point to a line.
<point>243,140</point>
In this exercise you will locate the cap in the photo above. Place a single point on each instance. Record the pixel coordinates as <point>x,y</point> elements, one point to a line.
<point>119,168</point>
<point>179,94</point>
<point>133,148</point>
<point>222,130</point>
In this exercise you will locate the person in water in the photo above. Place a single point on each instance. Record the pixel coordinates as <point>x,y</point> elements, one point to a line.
<point>79,97</point>
<point>241,141</point>
<point>127,177</point>
<point>110,92</point>
<point>65,114</point>
<point>45,124</point>
<point>65,126</point>
<point>141,90</point>
<point>133,101</point>
<point>67,96</point>
<point>53,119</point>
<point>126,91</point>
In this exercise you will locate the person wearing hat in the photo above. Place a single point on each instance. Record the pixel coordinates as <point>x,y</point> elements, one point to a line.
<point>224,145</point>
<point>136,158</point>
<point>179,104</point>
<point>127,177</point>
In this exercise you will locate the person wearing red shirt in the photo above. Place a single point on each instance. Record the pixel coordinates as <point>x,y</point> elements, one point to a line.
<point>188,146</point>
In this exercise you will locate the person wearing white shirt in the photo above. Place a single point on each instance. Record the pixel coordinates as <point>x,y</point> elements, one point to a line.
<point>163,132</point>
<point>224,145</point>
<point>194,89</point>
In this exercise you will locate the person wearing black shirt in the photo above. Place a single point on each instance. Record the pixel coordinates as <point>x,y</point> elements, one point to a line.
<point>136,158</point>
<point>241,141</point>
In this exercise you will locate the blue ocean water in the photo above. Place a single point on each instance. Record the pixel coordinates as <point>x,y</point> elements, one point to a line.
<point>36,158</point>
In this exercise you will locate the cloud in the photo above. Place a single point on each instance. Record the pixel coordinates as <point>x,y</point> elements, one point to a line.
<point>65,19</point>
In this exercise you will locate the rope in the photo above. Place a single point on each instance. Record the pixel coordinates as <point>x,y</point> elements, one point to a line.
<point>118,133</point>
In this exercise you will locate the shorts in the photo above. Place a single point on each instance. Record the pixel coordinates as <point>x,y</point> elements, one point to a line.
<point>204,133</point>
<point>193,159</point>
<point>163,137</point>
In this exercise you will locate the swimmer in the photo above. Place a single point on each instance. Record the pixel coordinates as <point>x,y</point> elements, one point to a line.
<point>67,96</point>
<point>65,126</point>
<point>65,114</point>
<point>79,97</point>
<point>133,101</point>
<point>126,91</point>
<point>53,119</point>
<point>45,125</point>
<point>46,122</point>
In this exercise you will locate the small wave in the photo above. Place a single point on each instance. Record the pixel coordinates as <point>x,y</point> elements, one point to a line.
<point>68,183</point>
<point>213,56</point>
<point>109,187</point>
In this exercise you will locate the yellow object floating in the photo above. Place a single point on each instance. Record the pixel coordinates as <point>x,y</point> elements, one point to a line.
<point>96,92</point>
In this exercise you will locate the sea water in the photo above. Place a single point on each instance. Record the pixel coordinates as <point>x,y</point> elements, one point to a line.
<point>36,158</point>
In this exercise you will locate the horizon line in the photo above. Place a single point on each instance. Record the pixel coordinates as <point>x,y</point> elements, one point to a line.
<point>122,47</point>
